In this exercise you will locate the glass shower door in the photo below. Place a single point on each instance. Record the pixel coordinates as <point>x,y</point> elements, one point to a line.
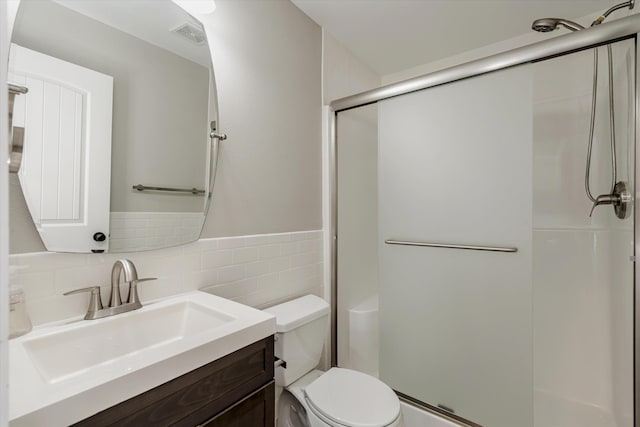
<point>537,331</point>
<point>455,169</point>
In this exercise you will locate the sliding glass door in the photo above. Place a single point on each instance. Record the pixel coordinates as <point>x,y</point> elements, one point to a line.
<point>462,209</point>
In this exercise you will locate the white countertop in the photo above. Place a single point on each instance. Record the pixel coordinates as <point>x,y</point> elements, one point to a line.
<point>35,401</point>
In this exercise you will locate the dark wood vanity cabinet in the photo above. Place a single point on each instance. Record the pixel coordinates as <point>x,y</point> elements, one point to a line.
<point>234,391</point>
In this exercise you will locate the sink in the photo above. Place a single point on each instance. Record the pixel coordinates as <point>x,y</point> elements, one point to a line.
<point>70,370</point>
<point>94,343</point>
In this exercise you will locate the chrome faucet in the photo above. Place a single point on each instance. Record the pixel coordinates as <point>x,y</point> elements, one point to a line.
<point>130,275</point>
<point>116,306</point>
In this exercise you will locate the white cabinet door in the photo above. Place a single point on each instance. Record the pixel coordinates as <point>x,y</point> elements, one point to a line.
<point>66,166</point>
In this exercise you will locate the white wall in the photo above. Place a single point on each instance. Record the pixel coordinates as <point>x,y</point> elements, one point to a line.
<point>267,60</point>
<point>342,73</point>
<point>255,270</point>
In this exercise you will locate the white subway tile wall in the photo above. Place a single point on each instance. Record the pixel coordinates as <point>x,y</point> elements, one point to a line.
<point>136,231</point>
<point>258,270</point>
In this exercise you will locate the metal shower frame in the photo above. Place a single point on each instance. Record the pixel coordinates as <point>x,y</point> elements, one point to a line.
<point>621,29</point>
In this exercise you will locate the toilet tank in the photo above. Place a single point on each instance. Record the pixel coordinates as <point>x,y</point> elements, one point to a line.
<point>301,327</point>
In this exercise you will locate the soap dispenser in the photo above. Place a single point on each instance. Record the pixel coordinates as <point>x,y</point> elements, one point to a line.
<point>19,321</point>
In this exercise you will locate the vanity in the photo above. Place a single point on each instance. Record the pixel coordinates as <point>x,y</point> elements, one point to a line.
<point>237,389</point>
<point>191,359</point>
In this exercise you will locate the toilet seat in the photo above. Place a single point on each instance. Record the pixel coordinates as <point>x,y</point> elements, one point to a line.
<point>350,398</point>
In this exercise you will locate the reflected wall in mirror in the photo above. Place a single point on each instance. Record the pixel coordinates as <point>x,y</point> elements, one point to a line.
<point>85,148</point>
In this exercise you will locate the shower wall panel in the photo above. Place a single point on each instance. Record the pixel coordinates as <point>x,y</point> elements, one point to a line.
<point>455,167</point>
<point>582,276</point>
<point>357,154</point>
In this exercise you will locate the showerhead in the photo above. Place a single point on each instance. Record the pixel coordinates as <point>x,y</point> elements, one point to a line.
<point>546,25</point>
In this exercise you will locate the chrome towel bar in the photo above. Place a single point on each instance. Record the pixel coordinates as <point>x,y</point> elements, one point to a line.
<point>193,191</point>
<point>17,89</point>
<point>448,246</point>
<point>16,134</point>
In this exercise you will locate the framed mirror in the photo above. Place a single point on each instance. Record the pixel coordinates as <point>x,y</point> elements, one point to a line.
<point>120,101</point>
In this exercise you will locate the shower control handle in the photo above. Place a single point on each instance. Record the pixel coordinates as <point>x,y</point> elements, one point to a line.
<point>620,198</point>
<point>604,199</point>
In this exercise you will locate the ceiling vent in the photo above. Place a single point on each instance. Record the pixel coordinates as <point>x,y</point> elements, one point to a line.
<point>191,32</point>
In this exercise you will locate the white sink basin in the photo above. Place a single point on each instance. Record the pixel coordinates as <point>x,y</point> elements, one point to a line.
<point>94,343</point>
<point>71,371</point>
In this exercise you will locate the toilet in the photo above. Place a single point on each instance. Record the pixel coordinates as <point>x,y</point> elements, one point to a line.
<point>312,398</point>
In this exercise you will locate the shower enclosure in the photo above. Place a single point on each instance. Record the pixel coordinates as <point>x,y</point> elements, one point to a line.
<point>459,205</point>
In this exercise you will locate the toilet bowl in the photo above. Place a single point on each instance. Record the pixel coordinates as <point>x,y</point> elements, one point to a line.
<point>312,398</point>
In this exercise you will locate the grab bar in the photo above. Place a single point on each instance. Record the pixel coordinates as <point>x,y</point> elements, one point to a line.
<point>193,191</point>
<point>450,246</point>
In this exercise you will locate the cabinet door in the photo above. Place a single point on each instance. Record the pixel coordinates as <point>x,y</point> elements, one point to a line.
<point>198,395</point>
<point>256,410</point>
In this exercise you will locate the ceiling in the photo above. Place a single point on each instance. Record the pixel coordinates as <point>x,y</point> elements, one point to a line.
<point>394,35</point>
<point>150,20</point>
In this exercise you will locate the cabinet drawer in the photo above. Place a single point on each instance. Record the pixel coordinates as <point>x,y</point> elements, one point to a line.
<point>255,410</point>
<point>197,395</point>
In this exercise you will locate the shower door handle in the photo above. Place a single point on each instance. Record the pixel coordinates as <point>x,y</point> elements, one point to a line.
<point>451,246</point>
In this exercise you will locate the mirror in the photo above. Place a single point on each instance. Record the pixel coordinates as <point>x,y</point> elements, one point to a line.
<point>121,100</point>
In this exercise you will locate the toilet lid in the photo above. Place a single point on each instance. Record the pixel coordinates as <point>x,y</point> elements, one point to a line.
<point>353,399</point>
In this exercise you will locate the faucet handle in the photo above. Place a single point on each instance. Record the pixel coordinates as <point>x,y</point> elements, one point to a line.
<point>604,199</point>
<point>95,302</point>
<point>133,290</point>
<point>620,198</point>
<point>145,279</point>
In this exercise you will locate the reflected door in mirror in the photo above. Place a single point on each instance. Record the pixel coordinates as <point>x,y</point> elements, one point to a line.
<point>66,167</point>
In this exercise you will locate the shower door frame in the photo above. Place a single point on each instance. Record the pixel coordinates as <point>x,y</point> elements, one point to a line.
<point>622,29</point>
